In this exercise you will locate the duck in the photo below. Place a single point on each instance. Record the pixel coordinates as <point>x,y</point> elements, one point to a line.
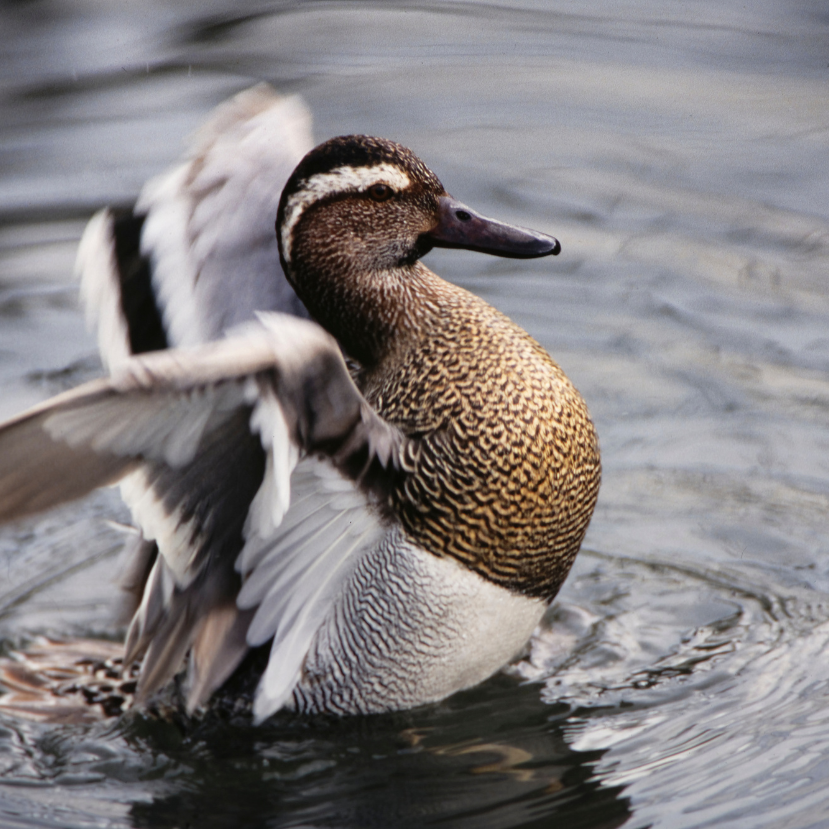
<point>329,453</point>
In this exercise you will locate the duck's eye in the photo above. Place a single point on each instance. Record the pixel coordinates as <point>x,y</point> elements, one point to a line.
<point>380,192</point>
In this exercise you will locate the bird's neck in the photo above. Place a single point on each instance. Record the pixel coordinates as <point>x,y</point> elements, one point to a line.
<point>373,314</point>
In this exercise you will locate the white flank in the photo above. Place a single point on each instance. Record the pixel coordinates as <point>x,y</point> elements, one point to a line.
<point>339,180</point>
<point>426,627</point>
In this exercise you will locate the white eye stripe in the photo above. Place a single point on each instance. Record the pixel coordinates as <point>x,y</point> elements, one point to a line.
<point>340,180</point>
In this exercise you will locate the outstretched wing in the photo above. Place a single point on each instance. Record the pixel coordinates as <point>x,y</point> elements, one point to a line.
<point>195,256</point>
<point>198,254</point>
<point>162,422</point>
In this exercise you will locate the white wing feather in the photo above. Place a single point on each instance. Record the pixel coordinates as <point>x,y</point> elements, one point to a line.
<point>209,228</point>
<point>165,240</point>
<point>274,496</point>
<point>101,290</point>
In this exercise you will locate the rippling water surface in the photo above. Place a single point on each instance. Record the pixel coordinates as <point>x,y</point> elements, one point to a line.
<point>680,151</point>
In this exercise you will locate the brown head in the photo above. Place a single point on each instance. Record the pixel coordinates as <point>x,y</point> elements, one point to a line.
<point>354,219</point>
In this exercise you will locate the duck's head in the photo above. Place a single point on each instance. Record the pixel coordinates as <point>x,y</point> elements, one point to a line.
<point>354,219</point>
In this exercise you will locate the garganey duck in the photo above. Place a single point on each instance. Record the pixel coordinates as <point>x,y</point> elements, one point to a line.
<point>391,495</point>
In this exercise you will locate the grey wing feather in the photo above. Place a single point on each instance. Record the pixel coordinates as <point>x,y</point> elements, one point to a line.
<point>156,408</point>
<point>38,472</point>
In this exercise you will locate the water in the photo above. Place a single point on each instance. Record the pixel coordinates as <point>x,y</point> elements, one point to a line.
<point>681,154</point>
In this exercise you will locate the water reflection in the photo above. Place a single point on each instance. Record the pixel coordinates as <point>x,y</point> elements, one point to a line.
<point>405,770</point>
<point>434,766</point>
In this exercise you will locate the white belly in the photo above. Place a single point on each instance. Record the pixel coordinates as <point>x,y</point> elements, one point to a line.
<point>411,628</point>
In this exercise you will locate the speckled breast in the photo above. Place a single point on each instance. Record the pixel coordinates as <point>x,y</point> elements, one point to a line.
<point>508,468</point>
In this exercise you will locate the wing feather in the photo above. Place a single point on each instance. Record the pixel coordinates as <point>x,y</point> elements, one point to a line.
<point>293,577</point>
<point>209,231</point>
<point>180,419</point>
<point>159,276</point>
<point>197,255</point>
<point>101,289</point>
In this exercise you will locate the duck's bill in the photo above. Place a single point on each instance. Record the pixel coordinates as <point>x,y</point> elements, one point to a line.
<point>462,227</point>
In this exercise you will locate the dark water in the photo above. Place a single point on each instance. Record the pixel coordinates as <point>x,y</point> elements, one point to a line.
<point>680,151</point>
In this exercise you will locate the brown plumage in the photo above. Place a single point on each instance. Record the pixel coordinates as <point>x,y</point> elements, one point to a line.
<point>507,466</point>
<point>508,470</point>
